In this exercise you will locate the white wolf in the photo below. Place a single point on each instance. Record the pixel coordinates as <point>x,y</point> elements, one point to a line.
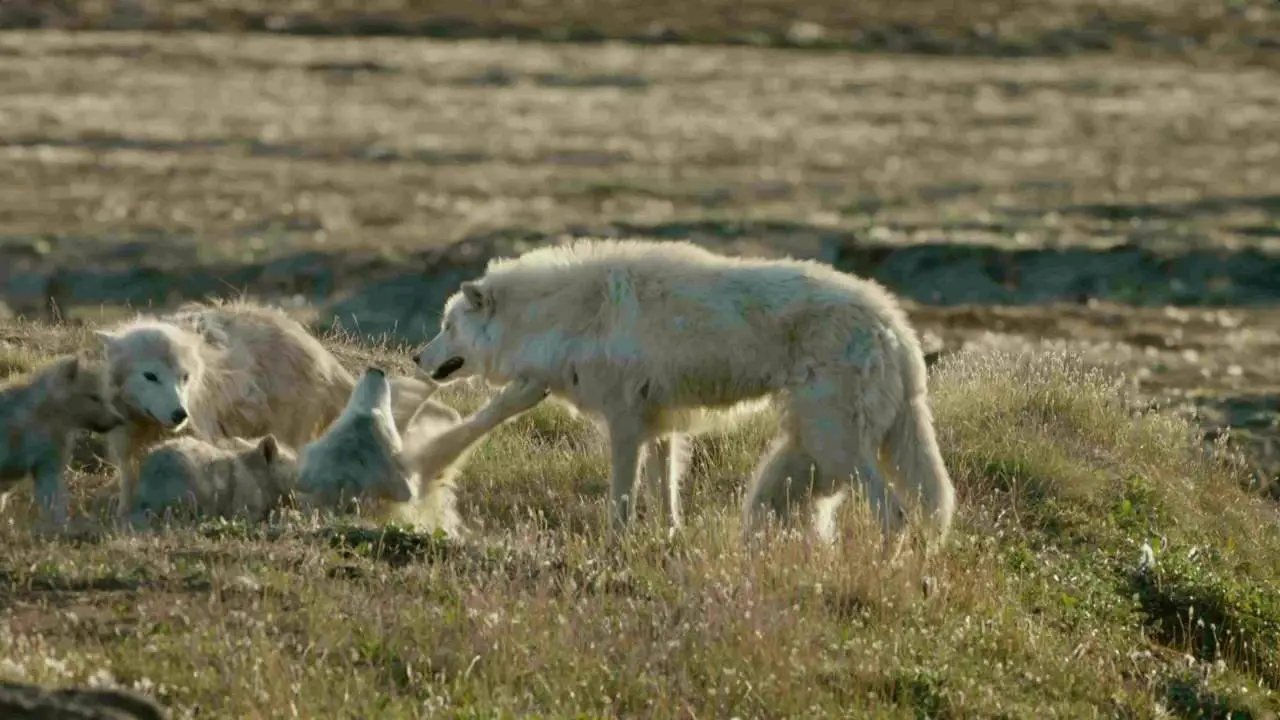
<point>363,454</point>
<point>224,370</point>
<point>692,330</point>
<point>39,416</point>
<point>231,478</point>
<point>359,454</point>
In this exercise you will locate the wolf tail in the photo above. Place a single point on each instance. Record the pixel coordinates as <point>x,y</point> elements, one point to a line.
<point>915,462</point>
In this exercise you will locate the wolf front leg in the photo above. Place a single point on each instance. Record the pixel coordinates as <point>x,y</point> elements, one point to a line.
<point>51,490</point>
<point>123,454</point>
<point>433,458</point>
<point>626,436</point>
<point>665,462</point>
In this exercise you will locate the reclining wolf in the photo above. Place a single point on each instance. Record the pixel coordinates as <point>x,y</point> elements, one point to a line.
<point>655,338</point>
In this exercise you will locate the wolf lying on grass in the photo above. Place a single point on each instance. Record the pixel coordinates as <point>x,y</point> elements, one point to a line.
<point>221,371</point>
<point>359,454</point>
<point>39,416</point>
<point>363,454</point>
<point>694,331</point>
<point>232,478</point>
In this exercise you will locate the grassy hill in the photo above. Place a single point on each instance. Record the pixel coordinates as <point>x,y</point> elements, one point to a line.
<point>1041,605</point>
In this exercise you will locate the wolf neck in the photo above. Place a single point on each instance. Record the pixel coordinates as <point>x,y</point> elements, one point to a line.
<point>370,396</point>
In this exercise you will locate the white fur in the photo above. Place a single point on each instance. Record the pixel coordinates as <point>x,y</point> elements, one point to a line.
<point>230,478</point>
<point>411,479</point>
<point>661,333</point>
<point>235,369</point>
<point>437,442</point>
<point>39,417</point>
<point>359,455</point>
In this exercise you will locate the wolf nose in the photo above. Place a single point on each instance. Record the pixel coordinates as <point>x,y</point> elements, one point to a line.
<point>417,359</point>
<point>179,415</point>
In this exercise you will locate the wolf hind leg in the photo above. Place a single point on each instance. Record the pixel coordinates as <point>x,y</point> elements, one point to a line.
<point>785,481</point>
<point>845,447</point>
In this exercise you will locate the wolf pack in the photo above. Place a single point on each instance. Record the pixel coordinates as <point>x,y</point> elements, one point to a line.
<point>234,409</point>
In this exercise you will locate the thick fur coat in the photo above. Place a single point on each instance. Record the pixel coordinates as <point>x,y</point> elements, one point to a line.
<point>359,455</point>
<point>39,417</point>
<point>668,331</point>
<point>409,475</point>
<point>231,478</point>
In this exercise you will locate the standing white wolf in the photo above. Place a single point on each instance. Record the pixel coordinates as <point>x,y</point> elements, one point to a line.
<point>690,330</point>
<point>39,416</point>
<point>220,371</point>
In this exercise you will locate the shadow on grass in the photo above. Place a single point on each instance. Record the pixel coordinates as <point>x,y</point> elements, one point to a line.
<point>1210,616</point>
<point>399,548</point>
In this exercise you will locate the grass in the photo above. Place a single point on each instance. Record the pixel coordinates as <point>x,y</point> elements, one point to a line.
<point>362,176</point>
<point>1039,604</point>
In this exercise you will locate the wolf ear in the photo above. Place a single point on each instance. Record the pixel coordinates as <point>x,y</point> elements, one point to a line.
<point>108,338</point>
<point>269,448</point>
<point>477,296</point>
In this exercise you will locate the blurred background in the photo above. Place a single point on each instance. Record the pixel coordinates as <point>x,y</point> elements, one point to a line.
<point>1101,175</point>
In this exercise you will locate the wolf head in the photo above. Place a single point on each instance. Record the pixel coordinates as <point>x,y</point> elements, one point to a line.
<point>80,391</point>
<point>273,464</point>
<point>153,368</point>
<point>372,392</point>
<point>466,341</point>
<point>166,490</point>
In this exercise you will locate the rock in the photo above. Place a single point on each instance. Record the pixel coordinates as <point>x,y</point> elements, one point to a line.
<point>21,701</point>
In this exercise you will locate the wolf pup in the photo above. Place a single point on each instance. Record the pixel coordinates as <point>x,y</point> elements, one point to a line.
<point>232,478</point>
<point>39,416</point>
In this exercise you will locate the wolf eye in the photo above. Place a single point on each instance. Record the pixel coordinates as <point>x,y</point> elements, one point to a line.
<point>151,377</point>
<point>186,377</point>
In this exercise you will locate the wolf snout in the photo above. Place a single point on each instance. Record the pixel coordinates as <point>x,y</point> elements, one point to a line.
<point>449,367</point>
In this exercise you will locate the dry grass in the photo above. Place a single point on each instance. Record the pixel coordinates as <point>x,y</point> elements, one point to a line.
<point>221,152</point>
<point>1241,31</point>
<point>1039,608</point>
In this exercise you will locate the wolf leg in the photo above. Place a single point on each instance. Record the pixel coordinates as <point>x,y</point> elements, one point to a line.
<point>434,456</point>
<point>847,452</point>
<point>120,448</point>
<point>784,481</point>
<point>626,438</point>
<point>665,462</point>
<point>51,491</point>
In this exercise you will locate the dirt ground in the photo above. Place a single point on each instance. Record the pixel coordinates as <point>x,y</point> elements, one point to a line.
<point>1127,207</point>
